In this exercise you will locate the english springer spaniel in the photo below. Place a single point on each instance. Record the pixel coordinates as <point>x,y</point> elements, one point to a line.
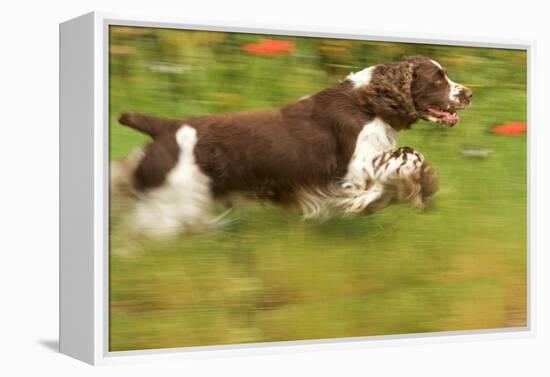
<point>322,153</point>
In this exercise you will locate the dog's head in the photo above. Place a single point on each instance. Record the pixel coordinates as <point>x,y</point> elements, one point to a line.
<point>410,89</point>
<point>436,97</point>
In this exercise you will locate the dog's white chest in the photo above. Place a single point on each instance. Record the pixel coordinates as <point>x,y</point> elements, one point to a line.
<point>376,137</point>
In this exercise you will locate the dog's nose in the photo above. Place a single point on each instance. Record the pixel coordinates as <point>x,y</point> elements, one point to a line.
<point>467,94</point>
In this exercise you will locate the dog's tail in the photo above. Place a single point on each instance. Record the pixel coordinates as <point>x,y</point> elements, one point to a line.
<point>149,124</point>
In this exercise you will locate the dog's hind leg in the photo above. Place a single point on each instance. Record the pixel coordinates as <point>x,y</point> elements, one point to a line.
<point>121,173</point>
<point>183,201</point>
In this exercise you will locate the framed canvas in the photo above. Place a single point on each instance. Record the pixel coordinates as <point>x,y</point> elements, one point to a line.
<point>238,189</point>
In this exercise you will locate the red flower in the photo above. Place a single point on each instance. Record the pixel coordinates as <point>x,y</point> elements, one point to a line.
<point>269,47</point>
<point>510,128</point>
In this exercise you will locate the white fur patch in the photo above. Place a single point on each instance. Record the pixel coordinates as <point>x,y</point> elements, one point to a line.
<point>182,202</point>
<point>362,77</point>
<point>455,91</point>
<point>376,137</point>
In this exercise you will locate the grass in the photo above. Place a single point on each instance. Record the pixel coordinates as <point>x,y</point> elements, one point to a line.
<point>269,276</point>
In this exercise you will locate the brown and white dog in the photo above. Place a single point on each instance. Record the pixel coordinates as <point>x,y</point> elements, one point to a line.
<point>318,153</point>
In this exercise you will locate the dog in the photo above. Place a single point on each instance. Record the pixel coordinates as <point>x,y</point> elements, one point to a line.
<point>318,153</point>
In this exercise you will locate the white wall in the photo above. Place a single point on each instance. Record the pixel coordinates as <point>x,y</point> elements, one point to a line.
<point>29,184</point>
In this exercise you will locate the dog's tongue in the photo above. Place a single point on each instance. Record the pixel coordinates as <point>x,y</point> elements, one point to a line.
<point>447,116</point>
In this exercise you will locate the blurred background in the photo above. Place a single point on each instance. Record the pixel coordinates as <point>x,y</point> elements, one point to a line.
<point>269,276</point>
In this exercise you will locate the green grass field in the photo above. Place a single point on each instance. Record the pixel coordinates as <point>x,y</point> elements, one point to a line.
<point>269,276</point>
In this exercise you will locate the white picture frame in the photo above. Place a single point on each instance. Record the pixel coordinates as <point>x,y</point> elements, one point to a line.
<point>84,191</point>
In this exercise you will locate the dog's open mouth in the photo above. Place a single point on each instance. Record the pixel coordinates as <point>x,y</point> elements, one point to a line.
<point>448,117</point>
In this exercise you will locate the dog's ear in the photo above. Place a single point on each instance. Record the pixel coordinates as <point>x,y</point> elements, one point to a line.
<point>388,94</point>
<point>149,124</point>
